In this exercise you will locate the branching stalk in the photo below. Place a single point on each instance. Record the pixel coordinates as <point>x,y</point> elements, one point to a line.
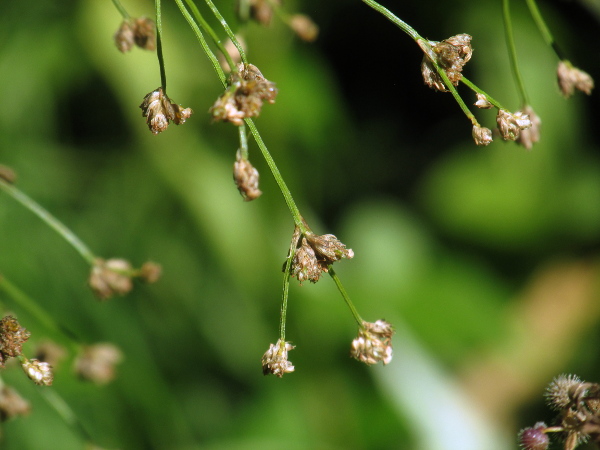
<point>345,295</point>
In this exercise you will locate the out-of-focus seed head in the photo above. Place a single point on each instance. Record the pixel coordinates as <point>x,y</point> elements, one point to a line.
<point>304,27</point>
<point>260,11</point>
<point>124,37</point>
<point>483,102</point>
<point>12,338</point>
<point>97,363</point>
<point>150,272</point>
<point>144,33</point>
<point>374,343</point>
<point>110,277</point>
<point>159,110</point>
<point>534,438</point>
<point>560,392</point>
<point>529,136</point>
<point>275,360</point>
<point>7,174</point>
<point>511,124</point>
<point>50,352</point>
<point>571,78</point>
<point>481,135</point>
<point>38,371</point>
<point>12,404</point>
<point>246,178</point>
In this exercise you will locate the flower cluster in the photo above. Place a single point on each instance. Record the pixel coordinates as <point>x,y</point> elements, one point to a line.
<point>97,363</point>
<point>374,343</point>
<point>246,177</point>
<point>578,404</point>
<point>248,90</point>
<point>159,110</point>
<point>140,31</point>
<point>12,338</point>
<point>40,372</point>
<point>275,360</point>
<point>115,276</point>
<point>571,78</point>
<point>511,124</point>
<point>451,55</point>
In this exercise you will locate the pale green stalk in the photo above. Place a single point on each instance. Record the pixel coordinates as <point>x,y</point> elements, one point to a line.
<point>512,52</point>
<point>345,295</point>
<point>159,52</point>
<point>227,29</point>
<point>121,9</point>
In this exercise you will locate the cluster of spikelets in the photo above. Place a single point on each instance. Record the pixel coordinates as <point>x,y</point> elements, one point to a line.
<point>578,405</point>
<point>95,363</point>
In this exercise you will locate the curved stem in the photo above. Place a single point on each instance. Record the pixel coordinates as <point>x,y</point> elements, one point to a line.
<point>159,52</point>
<point>394,19</point>
<point>340,287</point>
<point>243,141</point>
<point>544,30</point>
<point>512,51</point>
<point>121,9</point>
<point>286,288</point>
<point>227,29</point>
<point>65,412</point>
<point>475,88</point>
<point>287,195</point>
<point>50,220</point>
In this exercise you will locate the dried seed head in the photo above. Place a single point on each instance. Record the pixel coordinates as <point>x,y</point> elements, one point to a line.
<point>275,360</point>
<point>158,110</point>
<point>481,135</point>
<point>534,438</point>
<point>97,363</point>
<point>483,102</point>
<point>144,33</point>
<point>150,272</point>
<point>247,92</point>
<point>12,404</point>
<point>304,27</point>
<point>260,11</point>
<point>531,135</point>
<point>451,55</point>
<point>246,177</point>
<point>560,392</point>
<point>374,343</point>
<point>124,37</point>
<point>328,248</point>
<point>305,265</point>
<point>12,338</point>
<point>110,277</point>
<point>511,124</point>
<point>38,371</point>
<point>571,78</point>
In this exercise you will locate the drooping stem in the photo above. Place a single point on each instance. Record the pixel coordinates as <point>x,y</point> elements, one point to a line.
<point>50,220</point>
<point>287,195</point>
<point>512,51</point>
<point>65,412</point>
<point>121,9</point>
<point>227,29</point>
<point>541,24</point>
<point>159,52</point>
<point>394,19</point>
<point>477,89</point>
<point>345,295</point>
<point>286,288</point>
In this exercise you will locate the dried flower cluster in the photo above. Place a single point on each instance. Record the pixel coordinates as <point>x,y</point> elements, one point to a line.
<point>39,372</point>
<point>12,404</point>
<point>374,343</point>
<point>481,135</point>
<point>159,111</point>
<point>248,90</point>
<point>578,404</point>
<point>12,338</point>
<point>97,363</point>
<point>140,31</point>
<point>260,11</point>
<point>529,136</point>
<point>275,360</point>
<point>246,177</point>
<point>115,276</point>
<point>304,27</point>
<point>511,124</point>
<point>451,55</point>
<point>315,253</point>
<point>571,78</point>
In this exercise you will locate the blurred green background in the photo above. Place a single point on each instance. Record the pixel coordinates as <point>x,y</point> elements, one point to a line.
<point>485,259</point>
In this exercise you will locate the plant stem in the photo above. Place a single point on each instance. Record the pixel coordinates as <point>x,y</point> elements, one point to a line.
<point>121,9</point>
<point>340,287</point>
<point>65,412</point>
<point>213,59</point>
<point>475,88</point>
<point>541,24</point>
<point>512,51</point>
<point>394,19</point>
<point>159,52</point>
<point>287,195</point>
<point>286,288</point>
<point>50,220</point>
<point>243,141</point>
<point>227,29</point>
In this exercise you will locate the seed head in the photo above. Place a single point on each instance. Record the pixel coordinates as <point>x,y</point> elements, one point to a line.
<point>451,55</point>
<point>159,110</point>
<point>571,78</point>
<point>561,391</point>
<point>124,37</point>
<point>260,11</point>
<point>483,102</point>
<point>481,135</point>
<point>110,277</point>
<point>529,136</point>
<point>374,343</point>
<point>246,177</point>
<point>304,27</point>
<point>144,33</point>
<point>12,404</point>
<point>511,124</point>
<point>150,272</point>
<point>97,363</point>
<point>12,338</point>
<point>275,360</point>
<point>38,371</point>
<point>534,438</point>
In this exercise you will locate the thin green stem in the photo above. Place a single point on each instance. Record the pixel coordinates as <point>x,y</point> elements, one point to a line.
<point>512,51</point>
<point>50,220</point>
<point>477,89</point>
<point>394,19</point>
<point>211,56</point>
<point>243,141</point>
<point>287,195</point>
<point>340,287</point>
<point>121,9</point>
<point>65,412</point>
<point>159,50</point>
<point>204,24</point>
<point>286,288</point>
<point>541,24</point>
<point>227,29</point>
